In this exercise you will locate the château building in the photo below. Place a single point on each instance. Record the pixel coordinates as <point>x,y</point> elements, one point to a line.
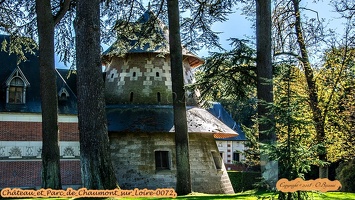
<point>138,93</point>
<point>140,116</point>
<point>21,118</point>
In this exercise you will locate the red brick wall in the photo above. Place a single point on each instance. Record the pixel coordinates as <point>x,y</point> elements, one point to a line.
<point>69,132</point>
<point>32,131</point>
<point>20,131</point>
<point>28,173</point>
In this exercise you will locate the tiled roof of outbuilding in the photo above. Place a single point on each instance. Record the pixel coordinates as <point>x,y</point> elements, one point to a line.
<point>160,118</point>
<point>220,113</point>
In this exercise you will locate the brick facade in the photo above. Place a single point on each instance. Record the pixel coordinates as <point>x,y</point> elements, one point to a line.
<point>20,150</point>
<point>32,131</point>
<point>22,173</point>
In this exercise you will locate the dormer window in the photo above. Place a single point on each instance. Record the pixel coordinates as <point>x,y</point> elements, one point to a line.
<point>16,87</point>
<point>63,94</point>
<point>16,91</point>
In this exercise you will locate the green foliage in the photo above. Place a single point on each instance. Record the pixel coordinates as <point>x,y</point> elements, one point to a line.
<point>346,175</point>
<point>243,181</point>
<point>336,82</point>
<point>18,19</point>
<point>197,18</point>
<point>19,46</point>
<point>252,151</point>
<point>229,75</point>
<point>294,150</point>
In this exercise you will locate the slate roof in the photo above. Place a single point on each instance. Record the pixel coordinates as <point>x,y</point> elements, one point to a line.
<point>30,69</point>
<point>220,113</point>
<point>146,45</point>
<point>160,118</point>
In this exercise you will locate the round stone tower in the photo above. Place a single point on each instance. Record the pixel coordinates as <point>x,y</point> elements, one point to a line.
<point>140,114</point>
<point>144,78</point>
<point>142,75</point>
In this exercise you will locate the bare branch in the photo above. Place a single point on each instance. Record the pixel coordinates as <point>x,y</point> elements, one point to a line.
<point>63,9</point>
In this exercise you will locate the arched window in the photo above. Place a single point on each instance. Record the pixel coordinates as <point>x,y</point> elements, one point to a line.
<point>16,85</point>
<point>134,74</point>
<point>16,91</point>
<point>157,74</point>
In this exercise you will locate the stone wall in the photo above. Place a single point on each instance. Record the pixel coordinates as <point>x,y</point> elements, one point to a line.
<point>133,157</point>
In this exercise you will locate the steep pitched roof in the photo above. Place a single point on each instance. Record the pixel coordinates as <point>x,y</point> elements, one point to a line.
<point>149,35</point>
<point>30,70</point>
<point>220,113</point>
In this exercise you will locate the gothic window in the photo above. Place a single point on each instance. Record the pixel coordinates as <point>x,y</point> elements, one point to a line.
<point>162,160</point>
<point>16,85</point>
<point>16,91</point>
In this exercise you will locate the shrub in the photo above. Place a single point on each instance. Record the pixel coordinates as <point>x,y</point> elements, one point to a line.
<point>346,175</point>
<point>242,181</point>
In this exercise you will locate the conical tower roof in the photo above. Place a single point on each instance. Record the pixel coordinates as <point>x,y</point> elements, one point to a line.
<point>147,35</point>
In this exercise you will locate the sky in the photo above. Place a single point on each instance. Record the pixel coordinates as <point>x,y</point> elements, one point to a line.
<point>238,26</point>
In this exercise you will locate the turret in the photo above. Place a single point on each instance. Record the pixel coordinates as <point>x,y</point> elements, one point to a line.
<point>141,73</point>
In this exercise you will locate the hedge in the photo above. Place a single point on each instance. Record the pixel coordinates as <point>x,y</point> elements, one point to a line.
<point>242,181</point>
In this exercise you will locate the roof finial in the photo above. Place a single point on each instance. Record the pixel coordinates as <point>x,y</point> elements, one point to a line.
<point>149,6</point>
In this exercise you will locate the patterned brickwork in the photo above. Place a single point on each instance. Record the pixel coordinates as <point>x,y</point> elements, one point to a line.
<point>142,79</point>
<point>32,131</point>
<point>28,173</point>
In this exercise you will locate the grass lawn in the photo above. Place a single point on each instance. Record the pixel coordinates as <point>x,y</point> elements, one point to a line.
<point>248,195</point>
<point>256,195</point>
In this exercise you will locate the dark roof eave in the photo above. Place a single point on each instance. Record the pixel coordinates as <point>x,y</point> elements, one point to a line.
<point>193,60</point>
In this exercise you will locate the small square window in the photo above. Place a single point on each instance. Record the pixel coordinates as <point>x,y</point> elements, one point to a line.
<point>162,160</point>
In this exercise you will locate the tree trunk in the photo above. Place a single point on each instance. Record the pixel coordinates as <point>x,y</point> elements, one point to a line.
<point>96,166</point>
<point>312,89</point>
<point>50,149</point>
<point>183,176</point>
<point>265,86</point>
